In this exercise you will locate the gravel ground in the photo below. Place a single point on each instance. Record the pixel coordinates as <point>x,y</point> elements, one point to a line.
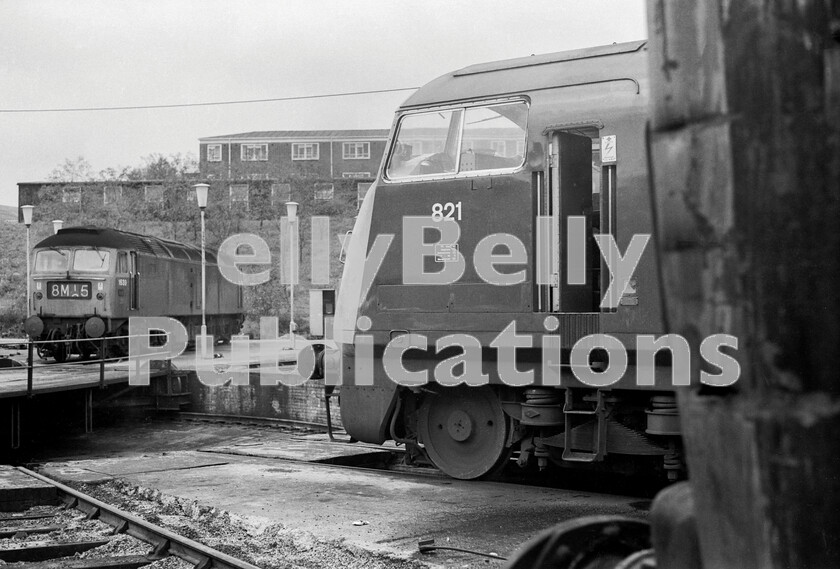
<point>74,526</point>
<point>267,545</point>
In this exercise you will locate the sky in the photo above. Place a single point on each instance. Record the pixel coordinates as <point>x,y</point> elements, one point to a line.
<point>92,54</point>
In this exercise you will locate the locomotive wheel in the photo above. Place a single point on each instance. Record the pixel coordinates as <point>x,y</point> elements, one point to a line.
<point>464,431</point>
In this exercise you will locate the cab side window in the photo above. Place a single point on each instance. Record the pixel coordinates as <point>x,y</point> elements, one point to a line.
<point>122,262</point>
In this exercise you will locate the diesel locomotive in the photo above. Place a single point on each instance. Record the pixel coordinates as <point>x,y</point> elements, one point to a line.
<point>498,180</point>
<point>88,281</point>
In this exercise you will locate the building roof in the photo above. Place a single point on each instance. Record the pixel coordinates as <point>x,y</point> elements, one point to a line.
<point>298,135</point>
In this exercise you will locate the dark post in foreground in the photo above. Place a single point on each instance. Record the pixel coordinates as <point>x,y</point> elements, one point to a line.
<point>745,148</point>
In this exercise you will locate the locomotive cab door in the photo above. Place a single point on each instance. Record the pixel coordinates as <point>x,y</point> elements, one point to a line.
<point>133,287</point>
<point>123,278</point>
<point>569,201</point>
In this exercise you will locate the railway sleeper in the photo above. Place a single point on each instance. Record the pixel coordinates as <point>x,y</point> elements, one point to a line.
<point>40,551</point>
<point>119,562</point>
<point>164,543</point>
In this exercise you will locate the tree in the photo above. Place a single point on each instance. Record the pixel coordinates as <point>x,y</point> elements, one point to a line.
<point>159,167</point>
<point>72,170</point>
<point>115,173</point>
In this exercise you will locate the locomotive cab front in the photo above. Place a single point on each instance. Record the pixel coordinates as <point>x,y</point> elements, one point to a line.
<point>72,287</point>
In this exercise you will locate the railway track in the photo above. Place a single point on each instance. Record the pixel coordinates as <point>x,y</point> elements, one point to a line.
<point>53,553</point>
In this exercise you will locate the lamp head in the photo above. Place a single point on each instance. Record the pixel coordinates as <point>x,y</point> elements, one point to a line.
<point>201,194</point>
<point>291,210</point>
<point>27,214</point>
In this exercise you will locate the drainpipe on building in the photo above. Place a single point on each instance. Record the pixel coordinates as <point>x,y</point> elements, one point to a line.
<point>331,159</point>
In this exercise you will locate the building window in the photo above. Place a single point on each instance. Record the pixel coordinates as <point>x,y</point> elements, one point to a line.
<point>498,147</point>
<point>281,193</point>
<point>214,152</point>
<point>324,191</point>
<point>71,195</point>
<point>154,194</point>
<point>254,152</point>
<point>355,174</point>
<point>305,151</point>
<point>356,150</point>
<point>111,194</point>
<point>361,191</point>
<point>239,194</point>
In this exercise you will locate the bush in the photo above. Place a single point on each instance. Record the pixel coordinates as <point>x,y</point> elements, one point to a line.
<point>11,322</point>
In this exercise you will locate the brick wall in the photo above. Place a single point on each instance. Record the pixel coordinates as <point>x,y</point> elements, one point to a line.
<point>304,403</point>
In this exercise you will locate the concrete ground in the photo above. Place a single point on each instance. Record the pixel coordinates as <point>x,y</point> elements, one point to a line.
<point>269,475</point>
<point>265,474</point>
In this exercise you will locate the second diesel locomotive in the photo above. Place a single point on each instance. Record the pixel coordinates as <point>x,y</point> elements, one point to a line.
<point>532,159</point>
<point>88,281</point>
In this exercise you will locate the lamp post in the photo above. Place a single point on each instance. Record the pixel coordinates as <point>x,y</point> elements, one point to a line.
<point>27,220</point>
<point>57,225</point>
<point>201,198</point>
<point>291,211</point>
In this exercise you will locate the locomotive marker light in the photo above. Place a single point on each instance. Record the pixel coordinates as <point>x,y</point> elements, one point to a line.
<point>27,221</point>
<point>201,199</point>
<point>57,225</point>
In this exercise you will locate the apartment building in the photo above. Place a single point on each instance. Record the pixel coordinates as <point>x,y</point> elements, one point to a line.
<point>291,160</point>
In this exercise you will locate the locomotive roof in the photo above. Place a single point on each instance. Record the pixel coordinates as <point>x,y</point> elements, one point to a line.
<point>500,78</point>
<point>108,237</point>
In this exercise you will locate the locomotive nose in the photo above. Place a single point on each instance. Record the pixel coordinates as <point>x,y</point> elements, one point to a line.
<point>94,327</point>
<point>33,326</point>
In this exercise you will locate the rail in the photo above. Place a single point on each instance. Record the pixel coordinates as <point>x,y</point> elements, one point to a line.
<point>164,541</point>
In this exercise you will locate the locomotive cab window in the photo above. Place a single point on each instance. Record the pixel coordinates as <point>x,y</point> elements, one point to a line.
<point>464,141</point>
<point>92,260</point>
<point>51,261</point>
<point>122,262</point>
